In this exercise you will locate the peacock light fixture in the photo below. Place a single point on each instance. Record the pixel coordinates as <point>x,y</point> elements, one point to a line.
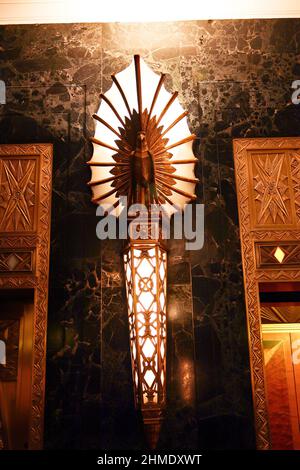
<point>143,152</point>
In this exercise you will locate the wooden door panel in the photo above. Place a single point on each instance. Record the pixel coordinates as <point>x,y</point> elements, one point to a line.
<point>282,383</point>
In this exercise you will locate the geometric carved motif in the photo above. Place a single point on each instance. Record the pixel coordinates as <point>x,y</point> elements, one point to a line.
<point>267,173</point>
<point>272,201</point>
<point>295,173</point>
<point>266,255</point>
<point>17,195</point>
<point>15,261</point>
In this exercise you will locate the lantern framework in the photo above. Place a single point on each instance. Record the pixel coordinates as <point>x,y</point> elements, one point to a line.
<point>145,274</point>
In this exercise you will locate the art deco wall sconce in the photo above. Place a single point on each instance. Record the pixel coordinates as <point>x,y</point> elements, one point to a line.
<point>143,150</point>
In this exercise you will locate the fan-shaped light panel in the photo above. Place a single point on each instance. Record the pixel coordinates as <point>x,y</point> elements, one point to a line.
<point>142,144</point>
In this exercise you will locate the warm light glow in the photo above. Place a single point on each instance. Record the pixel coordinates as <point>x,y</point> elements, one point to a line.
<point>187,380</point>
<point>145,269</point>
<point>168,10</point>
<point>279,254</point>
<point>74,11</point>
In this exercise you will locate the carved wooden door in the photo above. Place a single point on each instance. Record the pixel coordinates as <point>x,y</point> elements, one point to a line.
<point>268,190</point>
<point>25,207</point>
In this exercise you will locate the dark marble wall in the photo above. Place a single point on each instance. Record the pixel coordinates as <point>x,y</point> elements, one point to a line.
<point>235,79</point>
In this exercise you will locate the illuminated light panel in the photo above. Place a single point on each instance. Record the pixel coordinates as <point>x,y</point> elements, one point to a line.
<point>102,185</point>
<point>279,254</point>
<point>145,273</point>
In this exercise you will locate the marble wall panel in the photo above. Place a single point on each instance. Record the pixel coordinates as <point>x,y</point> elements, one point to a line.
<point>235,79</point>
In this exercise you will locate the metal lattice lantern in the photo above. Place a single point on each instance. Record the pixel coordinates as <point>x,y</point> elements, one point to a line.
<point>143,151</point>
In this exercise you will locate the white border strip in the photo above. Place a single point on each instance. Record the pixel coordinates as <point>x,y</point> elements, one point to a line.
<point>134,11</point>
